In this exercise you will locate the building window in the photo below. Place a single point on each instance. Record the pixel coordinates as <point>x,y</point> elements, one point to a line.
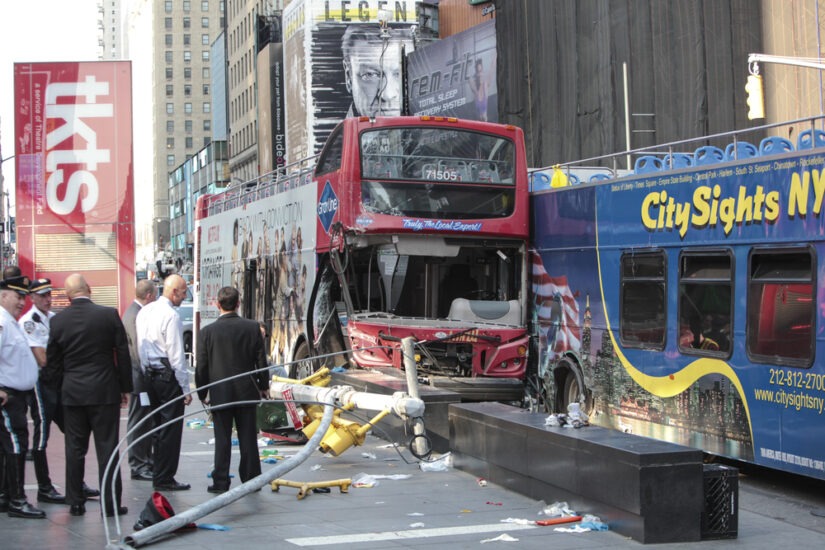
<point>205,5</point>
<point>207,125</point>
<point>170,160</point>
<point>187,90</point>
<point>187,56</point>
<point>187,39</point>
<point>169,73</point>
<point>187,22</point>
<point>168,56</point>
<point>189,143</point>
<point>642,301</point>
<point>781,307</point>
<point>205,39</point>
<point>206,89</point>
<point>187,124</point>
<point>170,143</point>
<point>205,72</point>
<point>167,40</point>
<point>187,73</point>
<point>187,108</point>
<point>167,23</point>
<point>169,90</point>
<point>187,5</point>
<point>170,126</point>
<point>170,108</point>
<point>205,22</point>
<point>207,107</point>
<point>205,55</point>
<point>168,6</point>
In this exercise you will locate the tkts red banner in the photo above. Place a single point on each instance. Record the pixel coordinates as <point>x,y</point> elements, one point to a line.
<point>73,150</point>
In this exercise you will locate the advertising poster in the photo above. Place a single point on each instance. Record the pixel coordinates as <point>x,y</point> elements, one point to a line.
<point>73,155</point>
<point>340,63</point>
<point>456,76</point>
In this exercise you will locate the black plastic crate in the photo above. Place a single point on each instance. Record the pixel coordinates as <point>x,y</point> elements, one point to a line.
<point>720,516</point>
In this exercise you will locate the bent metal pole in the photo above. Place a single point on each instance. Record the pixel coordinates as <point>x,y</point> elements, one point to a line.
<point>418,443</point>
<point>158,530</point>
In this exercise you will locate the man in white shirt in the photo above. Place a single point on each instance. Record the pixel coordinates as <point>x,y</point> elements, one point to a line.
<point>18,375</point>
<point>162,358</point>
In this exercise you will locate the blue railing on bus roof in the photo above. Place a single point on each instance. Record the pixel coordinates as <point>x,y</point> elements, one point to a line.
<point>687,153</point>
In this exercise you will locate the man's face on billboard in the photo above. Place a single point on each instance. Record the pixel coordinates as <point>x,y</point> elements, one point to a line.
<point>375,80</point>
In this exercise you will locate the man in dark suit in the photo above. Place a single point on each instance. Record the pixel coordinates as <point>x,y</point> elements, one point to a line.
<point>140,453</point>
<point>87,348</point>
<point>228,347</point>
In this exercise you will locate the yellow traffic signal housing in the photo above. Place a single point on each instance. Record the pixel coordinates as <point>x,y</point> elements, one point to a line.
<point>756,100</point>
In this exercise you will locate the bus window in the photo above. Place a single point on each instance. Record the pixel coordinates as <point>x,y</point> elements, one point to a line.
<point>642,309</point>
<point>781,307</point>
<point>330,159</point>
<point>705,290</point>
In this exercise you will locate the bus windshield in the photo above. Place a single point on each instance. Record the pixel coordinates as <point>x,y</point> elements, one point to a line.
<point>437,155</point>
<point>437,173</point>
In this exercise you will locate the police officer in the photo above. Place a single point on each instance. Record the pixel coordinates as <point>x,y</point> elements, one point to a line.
<point>160,346</point>
<point>18,376</point>
<point>43,402</point>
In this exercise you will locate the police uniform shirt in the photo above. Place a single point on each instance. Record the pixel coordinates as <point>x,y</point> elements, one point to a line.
<point>160,334</point>
<point>35,325</point>
<point>18,368</point>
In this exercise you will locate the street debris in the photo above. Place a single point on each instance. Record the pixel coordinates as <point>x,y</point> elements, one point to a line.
<point>482,482</point>
<point>501,538</point>
<point>440,464</point>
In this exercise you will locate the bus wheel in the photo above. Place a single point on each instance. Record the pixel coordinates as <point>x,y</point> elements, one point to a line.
<point>572,389</point>
<point>302,366</point>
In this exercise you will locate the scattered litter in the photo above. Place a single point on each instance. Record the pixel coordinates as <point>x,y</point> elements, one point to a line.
<point>417,525</point>
<point>196,424</point>
<point>366,481</point>
<point>270,460</point>
<point>575,418</point>
<point>209,475</point>
<point>415,514</point>
<point>557,509</point>
<point>466,511</point>
<point>518,521</point>
<point>235,441</point>
<point>501,538</point>
<point>213,527</point>
<point>482,482</point>
<point>558,520</point>
<point>316,468</point>
<point>589,523</point>
<point>371,456</point>
<point>268,452</point>
<point>387,446</point>
<point>339,369</point>
<point>441,464</point>
<point>265,442</point>
<point>494,503</point>
<point>321,490</point>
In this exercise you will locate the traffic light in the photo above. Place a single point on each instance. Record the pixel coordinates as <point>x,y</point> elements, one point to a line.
<point>756,100</point>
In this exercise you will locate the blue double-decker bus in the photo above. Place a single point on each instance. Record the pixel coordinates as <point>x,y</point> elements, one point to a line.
<point>683,299</point>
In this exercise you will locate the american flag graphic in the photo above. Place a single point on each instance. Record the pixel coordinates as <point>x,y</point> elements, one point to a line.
<point>557,311</point>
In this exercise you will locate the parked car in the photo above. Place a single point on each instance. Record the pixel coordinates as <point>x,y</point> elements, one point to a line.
<point>186,312</point>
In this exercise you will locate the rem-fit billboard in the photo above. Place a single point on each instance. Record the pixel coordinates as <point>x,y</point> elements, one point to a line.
<point>456,76</point>
<point>73,158</point>
<point>339,62</point>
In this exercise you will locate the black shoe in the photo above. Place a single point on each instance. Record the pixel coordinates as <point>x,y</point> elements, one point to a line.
<point>121,511</point>
<point>4,503</point>
<point>217,489</point>
<point>88,492</point>
<point>172,486</point>
<point>142,476</point>
<point>77,509</point>
<point>50,495</point>
<point>22,509</point>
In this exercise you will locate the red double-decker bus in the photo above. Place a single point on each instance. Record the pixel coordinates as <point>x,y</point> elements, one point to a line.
<point>402,226</point>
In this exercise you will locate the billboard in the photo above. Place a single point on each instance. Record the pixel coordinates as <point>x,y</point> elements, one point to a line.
<point>456,76</point>
<point>339,63</point>
<point>74,194</point>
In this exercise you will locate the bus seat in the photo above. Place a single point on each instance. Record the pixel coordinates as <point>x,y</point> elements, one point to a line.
<point>774,145</point>
<point>573,179</point>
<point>508,313</point>
<point>740,150</point>
<point>808,139</point>
<point>539,181</point>
<point>646,164</point>
<point>678,160</point>
<point>599,177</point>
<point>708,154</point>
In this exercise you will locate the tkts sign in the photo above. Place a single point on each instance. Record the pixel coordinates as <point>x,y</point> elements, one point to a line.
<point>73,159</point>
<point>74,142</point>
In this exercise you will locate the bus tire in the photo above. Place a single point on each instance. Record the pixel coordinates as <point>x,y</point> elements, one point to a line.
<point>301,366</point>
<point>571,385</point>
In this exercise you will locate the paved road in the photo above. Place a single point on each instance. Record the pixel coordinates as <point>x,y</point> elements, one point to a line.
<point>446,509</point>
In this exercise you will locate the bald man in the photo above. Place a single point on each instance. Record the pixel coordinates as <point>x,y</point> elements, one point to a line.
<point>162,358</point>
<point>88,346</point>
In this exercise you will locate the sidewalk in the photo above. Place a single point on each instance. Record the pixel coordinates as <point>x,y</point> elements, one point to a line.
<point>447,509</point>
